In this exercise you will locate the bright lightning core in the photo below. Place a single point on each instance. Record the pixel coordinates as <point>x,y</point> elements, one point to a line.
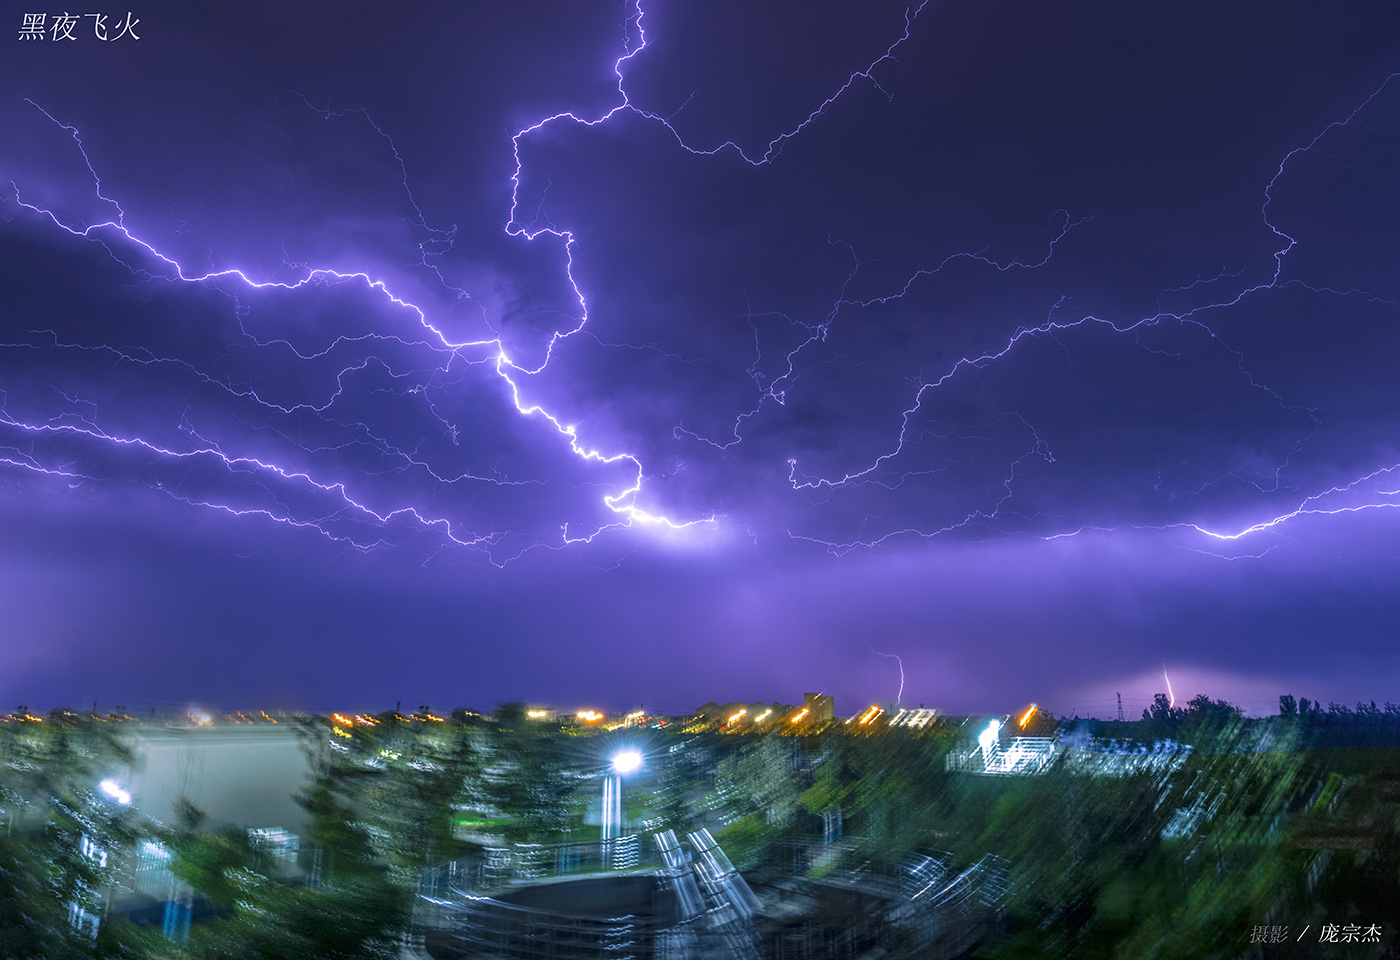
<point>283,477</point>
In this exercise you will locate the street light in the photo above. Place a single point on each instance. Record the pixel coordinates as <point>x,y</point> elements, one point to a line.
<point>626,761</point>
<point>114,790</point>
<point>623,762</point>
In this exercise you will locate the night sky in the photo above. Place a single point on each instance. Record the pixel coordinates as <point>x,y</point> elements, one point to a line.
<point>569,353</point>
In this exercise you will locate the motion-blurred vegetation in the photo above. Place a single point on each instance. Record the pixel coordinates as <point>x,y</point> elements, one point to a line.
<point>1291,821</point>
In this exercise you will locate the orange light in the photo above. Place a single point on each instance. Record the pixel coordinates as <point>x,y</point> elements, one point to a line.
<point>1027,715</point>
<point>869,715</point>
<point>799,715</point>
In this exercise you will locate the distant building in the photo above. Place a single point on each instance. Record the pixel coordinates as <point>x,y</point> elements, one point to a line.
<point>918,719</point>
<point>819,707</point>
<point>709,711</point>
<point>1015,756</point>
<point>742,715</point>
<point>1075,748</point>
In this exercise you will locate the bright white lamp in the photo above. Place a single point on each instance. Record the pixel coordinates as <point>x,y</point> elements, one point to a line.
<point>626,761</point>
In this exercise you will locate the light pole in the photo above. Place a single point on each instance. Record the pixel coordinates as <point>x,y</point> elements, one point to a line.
<point>623,762</point>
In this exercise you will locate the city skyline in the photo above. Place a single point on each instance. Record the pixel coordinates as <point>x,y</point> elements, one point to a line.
<point>987,356</point>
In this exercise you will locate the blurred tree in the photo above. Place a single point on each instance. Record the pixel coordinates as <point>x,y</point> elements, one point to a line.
<point>356,912</point>
<point>761,779</point>
<point>393,787</point>
<point>1162,718</point>
<point>61,838</point>
<point>679,793</point>
<point>529,776</point>
<point>358,901</point>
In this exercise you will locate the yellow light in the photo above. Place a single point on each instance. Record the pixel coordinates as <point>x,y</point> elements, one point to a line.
<point>869,715</point>
<point>799,715</point>
<point>737,715</point>
<point>536,714</point>
<point>589,716</point>
<point>762,716</point>
<point>343,721</point>
<point>1027,715</point>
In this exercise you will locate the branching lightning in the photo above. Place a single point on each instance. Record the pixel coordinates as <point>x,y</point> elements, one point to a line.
<point>121,243</point>
<point>1316,504</point>
<point>420,360</point>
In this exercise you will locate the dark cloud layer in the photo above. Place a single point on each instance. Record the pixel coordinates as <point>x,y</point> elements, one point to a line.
<point>1055,346</point>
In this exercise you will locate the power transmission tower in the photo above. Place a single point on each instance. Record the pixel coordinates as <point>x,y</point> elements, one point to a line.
<point>1120,708</point>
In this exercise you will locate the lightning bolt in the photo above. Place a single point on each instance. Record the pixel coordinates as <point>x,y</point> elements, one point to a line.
<point>151,263</point>
<point>423,361</point>
<point>898,697</point>
<point>1365,498</point>
<point>1171,697</point>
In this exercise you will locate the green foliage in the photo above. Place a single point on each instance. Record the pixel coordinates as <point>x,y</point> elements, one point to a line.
<point>216,862</point>
<point>49,802</point>
<point>530,777</point>
<point>892,786</point>
<point>343,840</point>
<point>361,905</point>
<point>679,790</point>
<point>388,793</point>
<point>761,780</point>
<point>1174,862</point>
<point>356,919</point>
<point>745,839</point>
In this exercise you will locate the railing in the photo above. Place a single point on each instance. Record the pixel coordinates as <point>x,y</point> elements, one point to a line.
<point>497,868</point>
<point>712,919</point>
<point>922,906</point>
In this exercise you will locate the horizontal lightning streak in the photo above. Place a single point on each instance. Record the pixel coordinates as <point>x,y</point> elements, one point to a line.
<point>1050,327</point>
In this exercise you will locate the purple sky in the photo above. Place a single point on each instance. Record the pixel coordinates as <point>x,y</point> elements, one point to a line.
<point>1041,346</point>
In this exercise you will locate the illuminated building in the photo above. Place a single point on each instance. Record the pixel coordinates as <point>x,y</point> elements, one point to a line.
<point>1017,756</point>
<point>741,714</point>
<point>819,707</point>
<point>918,719</point>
